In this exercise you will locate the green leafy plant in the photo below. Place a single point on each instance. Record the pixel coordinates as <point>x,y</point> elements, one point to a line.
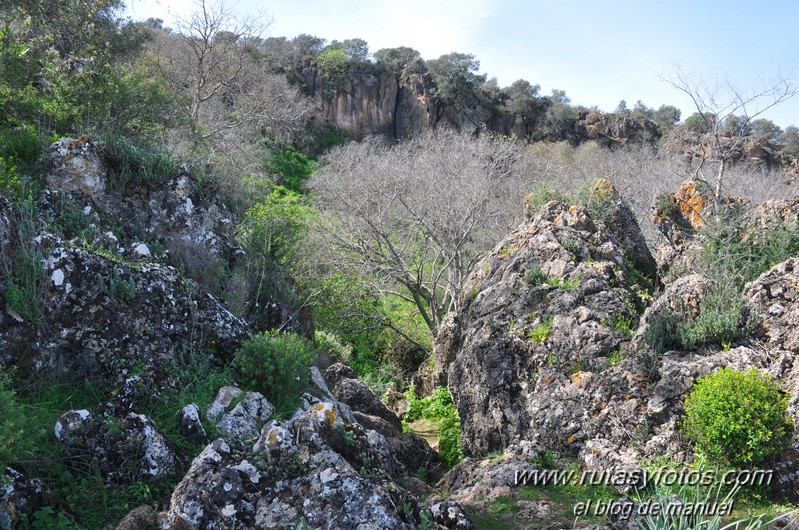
<point>536,276</point>
<point>737,418</point>
<point>275,363</point>
<point>118,289</point>
<point>11,430</point>
<point>439,407</point>
<point>132,164</point>
<point>722,318</point>
<point>333,64</point>
<point>293,166</point>
<point>541,332</point>
<point>623,325</point>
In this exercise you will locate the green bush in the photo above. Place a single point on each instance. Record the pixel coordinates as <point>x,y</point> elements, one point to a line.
<point>276,364</point>
<point>132,164</point>
<point>293,166</point>
<point>331,347</point>
<point>722,319</point>
<point>733,250</point>
<point>737,418</point>
<point>439,407</point>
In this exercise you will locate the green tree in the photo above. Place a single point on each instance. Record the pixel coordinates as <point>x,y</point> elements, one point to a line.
<point>334,68</point>
<point>401,61</point>
<point>666,118</point>
<point>766,129</point>
<point>621,108</point>
<point>790,138</point>
<point>356,50</point>
<point>523,98</point>
<point>456,80</point>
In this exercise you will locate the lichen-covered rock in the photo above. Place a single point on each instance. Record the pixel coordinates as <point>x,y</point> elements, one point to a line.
<point>432,375</point>
<point>175,211</point>
<point>125,449</point>
<point>190,424</point>
<point>20,496</point>
<point>413,451</point>
<point>314,469</point>
<point>775,297</point>
<point>548,302</point>
<point>449,514</point>
<point>74,427</point>
<point>139,518</point>
<point>473,480</point>
<point>244,421</point>
<point>106,321</point>
<point>336,372</point>
<point>221,403</point>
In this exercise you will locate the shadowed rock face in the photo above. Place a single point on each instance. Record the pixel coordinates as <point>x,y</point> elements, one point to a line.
<point>92,327</point>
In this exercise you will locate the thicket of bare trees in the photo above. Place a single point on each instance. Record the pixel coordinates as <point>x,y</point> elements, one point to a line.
<point>414,218</point>
<point>723,120</point>
<point>214,60</point>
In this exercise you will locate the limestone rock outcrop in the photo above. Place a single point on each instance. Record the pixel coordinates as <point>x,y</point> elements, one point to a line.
<point>175,212</point>
<point>545,311</point>
<point>314,469</point>
<point>105,321</point>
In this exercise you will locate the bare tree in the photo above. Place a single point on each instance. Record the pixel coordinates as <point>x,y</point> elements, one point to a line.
<point>414,218</point>
<point>214,59</point>
<point>725,112</point>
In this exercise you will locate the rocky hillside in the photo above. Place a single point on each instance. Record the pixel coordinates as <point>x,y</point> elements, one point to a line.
<point>565,344</point>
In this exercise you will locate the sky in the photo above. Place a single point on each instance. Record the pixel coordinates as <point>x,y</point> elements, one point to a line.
<point>599,52</point>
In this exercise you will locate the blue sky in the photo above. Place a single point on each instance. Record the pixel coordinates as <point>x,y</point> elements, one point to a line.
<point>599,52</point>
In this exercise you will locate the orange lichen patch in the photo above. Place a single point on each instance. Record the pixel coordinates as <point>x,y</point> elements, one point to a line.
<point>580,379</point>
<point>602,189</point>
<point>570,439</point>
<point>691,203</point>
<point>325,412</point>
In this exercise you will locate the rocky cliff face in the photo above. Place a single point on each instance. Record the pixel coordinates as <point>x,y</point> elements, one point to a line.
<point>547,352</point>
<point>541,316</point>
<point>375,103</point>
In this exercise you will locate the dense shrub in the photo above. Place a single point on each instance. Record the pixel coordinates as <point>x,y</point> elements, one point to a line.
<point>722,318</point>
<point>294,167</point>
<point>737,418</point>
<point>439,407</point>
<point>731,249</point>
<point>275,363</point>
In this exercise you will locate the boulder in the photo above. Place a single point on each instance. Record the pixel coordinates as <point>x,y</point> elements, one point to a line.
<point>313,469</point>
<point>173,211</point>
<point>108,322</point>
<point>244,421</point>
<point>548,302</point>
<point>360,398</point>
<point>125,449</point>
<point>190,424</point>
<point>21,495</point>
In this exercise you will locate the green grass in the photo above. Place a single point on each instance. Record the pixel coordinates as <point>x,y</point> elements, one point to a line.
<point>541,332</point>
